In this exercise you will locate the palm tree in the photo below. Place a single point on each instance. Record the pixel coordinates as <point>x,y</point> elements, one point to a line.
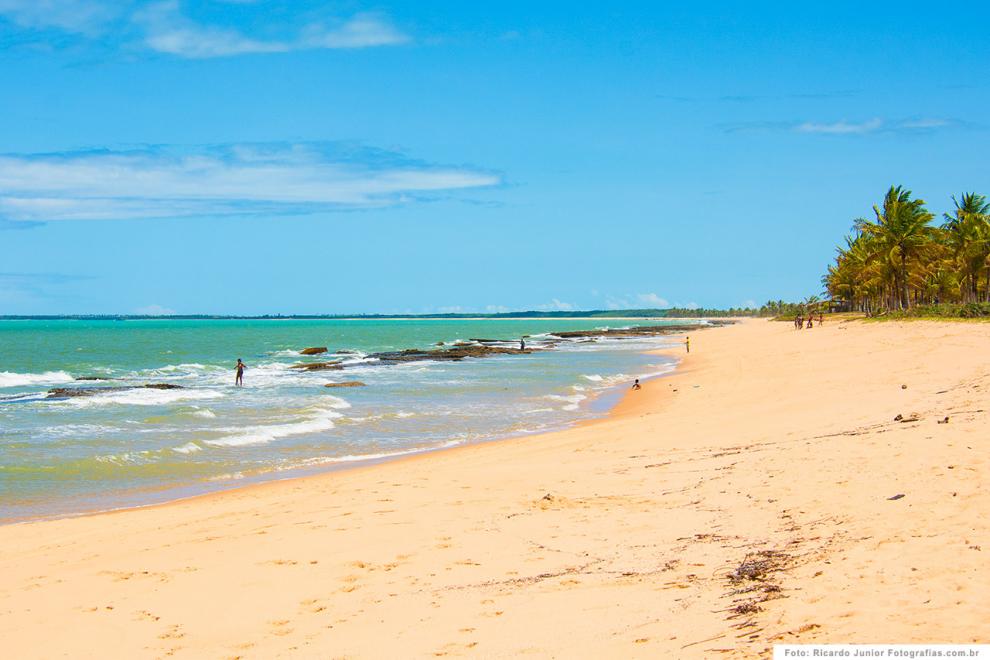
<point>968,236</point>
<point>900,234</point>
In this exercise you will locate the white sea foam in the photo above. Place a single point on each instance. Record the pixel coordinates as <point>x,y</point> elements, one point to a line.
<point>188,448</point>
<point>142,397</point>
<point>594,378</point>
<point>14,379</point>
<point>186,366</point>
<point>351,458</point>
<point>571,401</point>
<point>320,419</point>
<point>335,402</point>
<point>205,413</point>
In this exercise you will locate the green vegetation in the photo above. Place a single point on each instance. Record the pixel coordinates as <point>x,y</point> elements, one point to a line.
<point>900,264</point>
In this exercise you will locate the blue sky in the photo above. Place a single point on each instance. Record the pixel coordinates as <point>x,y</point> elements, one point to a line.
<point>309,157</point>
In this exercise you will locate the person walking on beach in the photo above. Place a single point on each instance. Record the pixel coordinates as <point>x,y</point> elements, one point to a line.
<point>811,320</point>
<point>821,319</point>
<point>636,385</point>
<point>239,379</point>
<point>687,344</point>
<point>798,322</point>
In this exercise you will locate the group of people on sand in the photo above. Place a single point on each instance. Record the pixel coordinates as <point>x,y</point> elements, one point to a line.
<point>801,322</point>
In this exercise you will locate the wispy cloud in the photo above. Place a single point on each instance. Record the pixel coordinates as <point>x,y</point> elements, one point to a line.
<point>85,17</point>
<point>168,31</point>
<point>161,26</point>
<point>556,306</point>
<point>154,310</point>
<point>240,179</point>
<point>872,126</point>
<point>751,98</point>
<point>639,300</point>
<point>841,127</point>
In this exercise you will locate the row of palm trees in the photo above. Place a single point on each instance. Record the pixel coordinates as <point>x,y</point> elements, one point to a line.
<point>899,258</point>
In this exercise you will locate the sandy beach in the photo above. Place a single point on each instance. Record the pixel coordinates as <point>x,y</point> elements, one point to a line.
<point>766,492</point>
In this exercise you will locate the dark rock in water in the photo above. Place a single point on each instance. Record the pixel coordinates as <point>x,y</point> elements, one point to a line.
<point>318,366</point>
<point>494,341</point>
<point>343,352</point>
<point>453,353</point>
<point>91,378</point>
<point>313,350</point>
<point>64,392</point>
<point>349,383</point>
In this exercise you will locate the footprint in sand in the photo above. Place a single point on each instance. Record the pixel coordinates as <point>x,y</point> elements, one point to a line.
<point>280,627</point>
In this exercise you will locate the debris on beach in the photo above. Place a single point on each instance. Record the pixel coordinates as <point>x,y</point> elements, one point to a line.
<point>896,497</point>
<point>758,566</point>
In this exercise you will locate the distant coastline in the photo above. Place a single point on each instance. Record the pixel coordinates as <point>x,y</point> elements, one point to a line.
<point>616,314</point>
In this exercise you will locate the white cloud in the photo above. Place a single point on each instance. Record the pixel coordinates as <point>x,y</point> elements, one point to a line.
<point>87,17</point>
<point>154,310</point>
<point>167,31</point>
<point>875,126</point>
<point>924,123</point>
<point>221,180</point>
<point>691,305</point>
<point>361,31</point>
<point>161,26</point>
<point>557,306</point>
<point>496,309</point>
<point>638,300</point>
<point>653,300</point>
<point>841,127</point>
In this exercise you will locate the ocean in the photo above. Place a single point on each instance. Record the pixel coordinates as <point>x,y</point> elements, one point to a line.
<point>134,446</point>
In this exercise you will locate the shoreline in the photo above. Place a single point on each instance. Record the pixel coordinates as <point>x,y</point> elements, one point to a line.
<point>201,491</point>
<point>761,493</point>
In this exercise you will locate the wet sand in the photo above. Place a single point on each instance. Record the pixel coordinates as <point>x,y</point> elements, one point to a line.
<point>750,498</point>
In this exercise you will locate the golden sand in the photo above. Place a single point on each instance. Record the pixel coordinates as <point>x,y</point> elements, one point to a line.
<point>749,498</point>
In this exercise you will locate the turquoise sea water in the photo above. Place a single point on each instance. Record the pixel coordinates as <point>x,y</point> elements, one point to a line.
<point>130,447</point>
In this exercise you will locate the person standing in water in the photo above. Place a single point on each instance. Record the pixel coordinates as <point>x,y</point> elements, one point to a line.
<point>522,343</point>
<point>239,379</point>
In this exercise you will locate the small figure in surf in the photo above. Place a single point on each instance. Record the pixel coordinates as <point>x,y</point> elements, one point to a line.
<point>239,379</point>
<point>636,385</point>
<point>522,344</point>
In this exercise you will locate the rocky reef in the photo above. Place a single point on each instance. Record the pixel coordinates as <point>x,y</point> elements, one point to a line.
<point>68,392</point>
